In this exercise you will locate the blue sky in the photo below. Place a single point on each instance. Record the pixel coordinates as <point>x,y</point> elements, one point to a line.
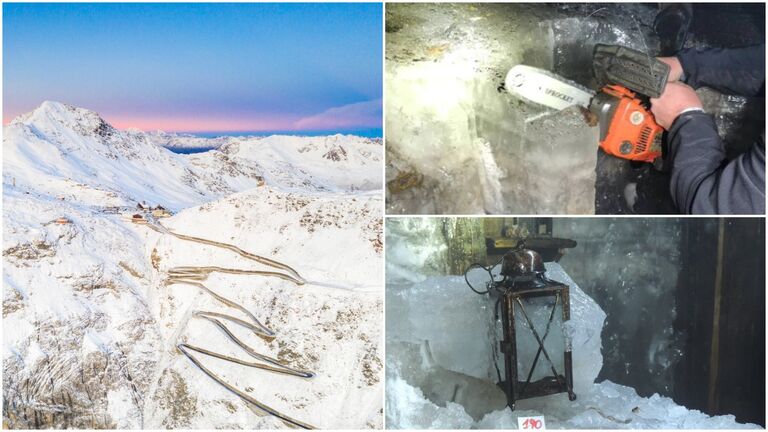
<point>199,67</point>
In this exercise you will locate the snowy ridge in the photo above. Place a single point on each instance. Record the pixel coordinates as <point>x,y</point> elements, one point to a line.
<point>91,326</point>
<point>327,163</point>
<point>72,153</point>
<point>174,141</point>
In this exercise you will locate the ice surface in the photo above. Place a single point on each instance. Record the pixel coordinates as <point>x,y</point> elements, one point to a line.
<point>449,120</point>
<point>430,125</point>
<point>452,318</point>
<point>612,259</point>
<point>415,249</point>
<point>547,160</point>
<point>610,406</point>
<point>410,410</point>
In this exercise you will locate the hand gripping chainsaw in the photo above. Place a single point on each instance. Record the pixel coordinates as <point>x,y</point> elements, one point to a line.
<point>629,79</point>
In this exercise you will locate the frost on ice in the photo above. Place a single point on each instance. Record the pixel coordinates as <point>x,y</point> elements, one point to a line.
<point>458,325</point>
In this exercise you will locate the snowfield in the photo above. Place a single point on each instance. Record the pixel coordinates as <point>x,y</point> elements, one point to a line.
<point>90,324</point>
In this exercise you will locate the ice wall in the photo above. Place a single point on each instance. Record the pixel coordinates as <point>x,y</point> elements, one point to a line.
<point>476,148</point>
<point>430,130</point>
<point>472,148</point>
<point>450,119</point>
<point>630,267</point>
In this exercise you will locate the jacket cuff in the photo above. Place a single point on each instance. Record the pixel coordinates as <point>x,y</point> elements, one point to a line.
<point>687,58</point>
<point>681,120</point>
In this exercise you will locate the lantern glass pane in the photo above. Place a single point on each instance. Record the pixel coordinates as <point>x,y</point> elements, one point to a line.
<point>539,310</point>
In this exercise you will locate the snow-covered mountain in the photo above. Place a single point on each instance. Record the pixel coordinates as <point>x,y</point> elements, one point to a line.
<point>175,141</point>
<point>73,153</point>
<point>337,162</point>
<point>90,324</point>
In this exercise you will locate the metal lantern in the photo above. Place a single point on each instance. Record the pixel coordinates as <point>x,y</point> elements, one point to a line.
<point>534,310</point>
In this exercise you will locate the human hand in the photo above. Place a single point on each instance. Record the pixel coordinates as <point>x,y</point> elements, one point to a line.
<point>675,68</point>
<point>677,97</point>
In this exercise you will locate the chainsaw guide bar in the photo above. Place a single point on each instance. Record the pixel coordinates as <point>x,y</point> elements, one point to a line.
<point>545,88</point>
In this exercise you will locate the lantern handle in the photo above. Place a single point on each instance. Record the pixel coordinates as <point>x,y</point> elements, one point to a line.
<point>488,269</point>
<point>466,278</point>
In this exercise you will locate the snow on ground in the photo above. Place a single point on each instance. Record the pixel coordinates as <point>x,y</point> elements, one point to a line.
<point>90,327</point>
<point>457,324</point>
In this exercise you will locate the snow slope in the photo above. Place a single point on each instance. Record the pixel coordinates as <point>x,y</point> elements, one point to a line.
<point>303,162</point>
<point>91,327</point>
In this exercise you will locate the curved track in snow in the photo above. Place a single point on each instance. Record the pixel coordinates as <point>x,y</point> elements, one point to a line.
<point>245,254</point>
<point>191,275</point>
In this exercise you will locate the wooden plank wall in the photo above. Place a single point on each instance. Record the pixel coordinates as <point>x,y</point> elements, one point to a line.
<point>731,378</point>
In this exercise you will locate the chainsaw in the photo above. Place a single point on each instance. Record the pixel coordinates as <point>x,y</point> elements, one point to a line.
<point>628,79</point>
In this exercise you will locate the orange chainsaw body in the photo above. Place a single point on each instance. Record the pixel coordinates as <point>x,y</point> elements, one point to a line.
<point>627,128</point>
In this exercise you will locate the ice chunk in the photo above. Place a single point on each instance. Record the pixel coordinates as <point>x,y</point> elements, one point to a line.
<point>458,324</point>
<point>408,409</point>
<point>584,329</point>
<point>452,318</point>
<point>415,249</point>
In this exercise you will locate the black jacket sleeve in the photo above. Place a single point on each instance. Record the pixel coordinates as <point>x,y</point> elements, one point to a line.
<point>702,181</point>
<point>739,71</point>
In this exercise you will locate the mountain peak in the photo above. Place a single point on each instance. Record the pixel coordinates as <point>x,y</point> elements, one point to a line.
<point>50,109</point>
<point>54,106</point>
<point>81,120</point>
